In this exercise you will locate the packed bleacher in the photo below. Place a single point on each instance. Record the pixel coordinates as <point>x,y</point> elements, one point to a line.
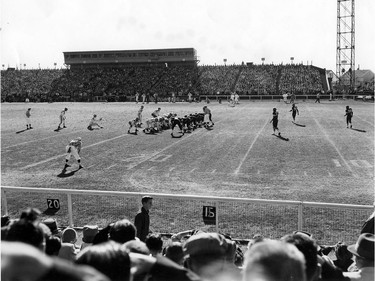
<point>36,249</point>
<point>121,83</point>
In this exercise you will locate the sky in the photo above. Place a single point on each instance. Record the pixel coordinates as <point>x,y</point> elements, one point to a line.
<point>37,32</point>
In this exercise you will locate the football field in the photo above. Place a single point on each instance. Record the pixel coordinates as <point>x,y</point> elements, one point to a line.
<point>322,161</point>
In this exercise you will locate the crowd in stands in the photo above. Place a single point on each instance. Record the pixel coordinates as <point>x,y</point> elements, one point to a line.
<point>258,79</point>
<point>85,84</point>
<point>33,249</point>
<point>300,78</point>
<point>35,84</point>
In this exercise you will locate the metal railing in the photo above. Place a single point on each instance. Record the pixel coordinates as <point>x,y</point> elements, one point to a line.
<point>239,217</point>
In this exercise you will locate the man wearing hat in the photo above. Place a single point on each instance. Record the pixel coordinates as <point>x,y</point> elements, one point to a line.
<point>142,219</point>
<point>363,252</point>
<point>89,233</point>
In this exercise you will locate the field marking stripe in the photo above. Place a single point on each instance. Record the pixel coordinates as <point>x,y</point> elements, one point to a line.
<point>365,121</point>
<point>165,148</point>
<point>36,140</point>
<point>346,164</point>
<point>248,151</point>
<point>61,155</point>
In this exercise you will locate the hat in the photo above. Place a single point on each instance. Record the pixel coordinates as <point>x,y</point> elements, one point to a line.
<point>364,248</point>
<point>205,244</point>
<point>89,232</point>
<point>52,225</point>
<point>69,235</point>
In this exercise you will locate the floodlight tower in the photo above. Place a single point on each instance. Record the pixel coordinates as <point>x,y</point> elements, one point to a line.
<point>345,46</point>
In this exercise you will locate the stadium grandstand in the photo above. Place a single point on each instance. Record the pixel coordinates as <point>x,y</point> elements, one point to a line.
<point>118,75</point>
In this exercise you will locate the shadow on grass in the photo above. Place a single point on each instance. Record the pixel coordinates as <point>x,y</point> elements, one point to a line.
<point>300,125</point>
<point>281,137</point>
<point>21,131</point>
<point>64,174</point>
<point>359,130</point>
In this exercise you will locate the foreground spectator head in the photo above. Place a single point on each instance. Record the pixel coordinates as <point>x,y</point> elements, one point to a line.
<point>69,235</point>
<point>309,249</point>
<point>89,233</point>
<point>53,246</point>
<point>27,232</point>
<point>274,261</point>
<point>103,235</point>
<point>109,258</point>
<point>363,250</point>
<point>175,253</point>
<point>154,243</point>
<point>205,254</point>
<point>52,224</point>
<point>136,246</point>
<point>344,257</point>
<point>122,231</point>
<point>20,261</point>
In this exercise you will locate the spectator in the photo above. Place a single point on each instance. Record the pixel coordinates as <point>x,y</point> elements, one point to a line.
<point>27,230</point>
<point>344,257</point>
<point>89,233</point>
<point>363,252</point>
<point>20,261</point>
<point>68,248</point>
<point>155,244</point>
<point>175,253</point>
<point>274,261</point>
<point>136,246</point>
<point>206,254</point>
<point>53,246</point>
<point>108,258</point>
<point>309,249</point>
<point>142,219</point>
<point>368,226</point>
<point>52,225</point>
<point>102,235</point>
<point>122,231</point>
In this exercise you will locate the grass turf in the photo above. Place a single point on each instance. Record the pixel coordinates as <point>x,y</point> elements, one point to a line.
<point>321,162</point>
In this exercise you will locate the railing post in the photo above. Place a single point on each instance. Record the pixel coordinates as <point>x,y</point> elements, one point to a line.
<point>4,202</point>
<point>70,210</point>
<point>300,216</point>
<point>217,216</point>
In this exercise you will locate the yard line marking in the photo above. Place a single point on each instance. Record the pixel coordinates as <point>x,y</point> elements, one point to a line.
<point>165,148</point>
<point>337,163</point>
<point>61,155</point>
<point>372,124</point>
<point>192,170</point>
<point>111,166</point>
<point>27,142</point>
<point>171,169</point>
<point>248,151</point>
<point>151,168</point>
<point>213,171</point>
<point>334,146</point>
<point>88,167</point>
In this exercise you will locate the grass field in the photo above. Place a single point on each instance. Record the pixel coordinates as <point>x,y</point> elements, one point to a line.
<point>322,162</point>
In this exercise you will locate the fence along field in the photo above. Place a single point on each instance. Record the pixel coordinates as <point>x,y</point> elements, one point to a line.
<point>323,162</point>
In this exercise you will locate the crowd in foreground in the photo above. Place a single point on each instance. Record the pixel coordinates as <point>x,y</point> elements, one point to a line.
<point>32,249</point>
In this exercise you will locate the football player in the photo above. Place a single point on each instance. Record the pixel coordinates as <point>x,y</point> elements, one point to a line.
<point>73,149</point>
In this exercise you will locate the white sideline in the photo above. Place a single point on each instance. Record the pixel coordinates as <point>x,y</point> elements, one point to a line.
<point>248,151</point>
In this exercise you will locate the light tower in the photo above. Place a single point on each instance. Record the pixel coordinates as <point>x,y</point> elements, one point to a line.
<point>345,46</point>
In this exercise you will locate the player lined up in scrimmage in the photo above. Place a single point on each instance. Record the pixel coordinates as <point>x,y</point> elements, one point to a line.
<point>207,121</point>
<point>28,119</point>
<point>94,122</point>
<point>62,119</point>
<point>349,115</point>
<point>73,149</point>
<point>275,121</point>
<point>294,111</point>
